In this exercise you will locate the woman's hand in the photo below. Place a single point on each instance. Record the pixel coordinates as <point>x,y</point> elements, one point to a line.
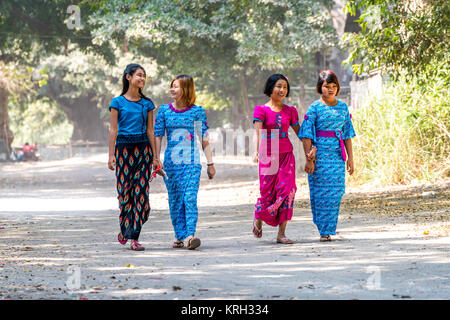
<point>211,171</point>
<point>312,154</point>
<point>309,166</point>
<point>112,162</point>
<point>350,167</point>
<point>256,158</point>
<point>157,163</point>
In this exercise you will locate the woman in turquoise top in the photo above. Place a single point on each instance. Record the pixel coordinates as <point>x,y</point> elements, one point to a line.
<point>131,145</point>
<point>183,121</point>
<point>328,126</point>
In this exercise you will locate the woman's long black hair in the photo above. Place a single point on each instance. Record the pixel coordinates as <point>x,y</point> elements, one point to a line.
<point>131,69</point>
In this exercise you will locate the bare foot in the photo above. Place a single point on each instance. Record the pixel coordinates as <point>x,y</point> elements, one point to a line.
<point>284,240</point>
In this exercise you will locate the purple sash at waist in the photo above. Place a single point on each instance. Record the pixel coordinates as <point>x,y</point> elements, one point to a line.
<point>332,134</point>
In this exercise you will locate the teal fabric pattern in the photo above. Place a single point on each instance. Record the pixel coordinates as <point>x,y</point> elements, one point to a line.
<point>182,163</point>
<point>327,183</point>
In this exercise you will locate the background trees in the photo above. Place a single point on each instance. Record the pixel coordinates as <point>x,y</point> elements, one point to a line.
<point>56,81</point>
<point>29,31</point>
<point>402,37</point>
<point>228,46</point>
<point>404,132</point>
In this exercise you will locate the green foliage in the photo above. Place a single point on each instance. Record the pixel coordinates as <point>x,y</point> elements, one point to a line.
<point>218,41</point>
<point>30,29</point>
<point>38,121</point>
<point>211,101</point>
<point>403,37</point>
<point>225,45</point>
<point>403,135</point>
<point>275,34</point>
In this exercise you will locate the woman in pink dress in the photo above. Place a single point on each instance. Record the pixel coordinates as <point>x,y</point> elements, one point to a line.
<point>276,159</point>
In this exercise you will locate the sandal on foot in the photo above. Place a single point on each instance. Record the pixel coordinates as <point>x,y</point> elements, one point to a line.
<point>285,240</point>
<point>136,246</point>
<point>121,239</point>
<point>193,243</point>
<point>256,231</point>
<point>178,244</point>
<point>325,238</point>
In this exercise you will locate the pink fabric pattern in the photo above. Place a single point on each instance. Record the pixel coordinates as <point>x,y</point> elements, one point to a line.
<point>331,134</point>
<point>278,123</point>
<point>179,111</point>
<point>341,142</point>
<point>276,165</point>
<point>276,203</point>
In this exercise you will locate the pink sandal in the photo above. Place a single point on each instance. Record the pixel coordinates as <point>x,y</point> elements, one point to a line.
<point>136,246</point>
<point>121,239</point>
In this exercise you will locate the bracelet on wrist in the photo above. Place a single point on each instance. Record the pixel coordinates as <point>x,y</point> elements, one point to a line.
<point>210,164</point>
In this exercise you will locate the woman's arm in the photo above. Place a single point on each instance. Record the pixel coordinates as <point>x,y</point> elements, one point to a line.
<point>207,150</point>
<point>158,142</point>
<point>296,129</point>
<point>349,148</point>
<point>310,150</point>
<point>307,148</point>
<point>151,138</point>
<point>211,170</point>
<point>257,126</point>
<point>114,118</point>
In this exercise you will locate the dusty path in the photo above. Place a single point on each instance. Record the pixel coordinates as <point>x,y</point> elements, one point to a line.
<point>59,220</point>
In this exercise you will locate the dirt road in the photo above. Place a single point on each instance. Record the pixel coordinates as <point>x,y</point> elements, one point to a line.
<point>59,222</point>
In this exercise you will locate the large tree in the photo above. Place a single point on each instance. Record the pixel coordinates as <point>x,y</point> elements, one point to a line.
<point>29,31</point>
<point>404,37</point>
<point>229,46</point>
<point>83,84</point>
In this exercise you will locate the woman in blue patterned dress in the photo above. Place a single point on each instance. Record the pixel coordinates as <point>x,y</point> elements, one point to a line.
<point>328,126</point>
<point>131,145</point>
<point>183,121</point>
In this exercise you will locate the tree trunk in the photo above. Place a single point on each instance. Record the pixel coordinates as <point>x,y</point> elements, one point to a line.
<point>84,115</point>
<point>245,102</point>
<point>303,107</point>
<point>6,135</point>
<point>235,112</point>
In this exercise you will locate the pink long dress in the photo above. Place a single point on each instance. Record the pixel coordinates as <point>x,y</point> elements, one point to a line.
<point>276,165</point>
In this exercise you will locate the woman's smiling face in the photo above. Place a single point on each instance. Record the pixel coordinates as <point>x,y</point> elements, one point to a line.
<point>137,79</point>
<point>280,90</point>
<point>329,89</point>
<point>175,91</point>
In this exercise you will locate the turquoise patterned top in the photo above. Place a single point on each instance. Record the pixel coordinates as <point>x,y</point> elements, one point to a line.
<point>322,117</point>
<point>181,126</point>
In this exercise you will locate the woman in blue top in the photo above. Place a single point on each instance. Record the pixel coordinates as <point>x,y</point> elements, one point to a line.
<point>131,145</point>
<point>328,126</point>
<point>183,121</point>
